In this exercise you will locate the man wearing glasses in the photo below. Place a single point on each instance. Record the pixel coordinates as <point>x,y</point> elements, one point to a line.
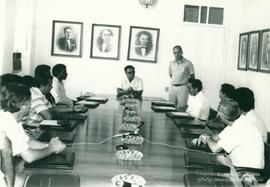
<point>131,84</point>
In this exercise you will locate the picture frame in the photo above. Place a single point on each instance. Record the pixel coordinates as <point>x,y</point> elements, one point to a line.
<point>264,65</point>
<point>146,37</point>
<point>253,50</point>
<point>243,51</point>
<point>67,38</point>
<point>105,41</point>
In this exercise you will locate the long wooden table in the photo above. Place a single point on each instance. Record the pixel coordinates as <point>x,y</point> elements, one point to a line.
<point>96,164</point>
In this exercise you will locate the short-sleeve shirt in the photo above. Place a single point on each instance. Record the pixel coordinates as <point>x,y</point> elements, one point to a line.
<point>180,71</point>
<point>38,104</point>
<point>136,84</point>
<point>14,131</point>
<point>244,144</point>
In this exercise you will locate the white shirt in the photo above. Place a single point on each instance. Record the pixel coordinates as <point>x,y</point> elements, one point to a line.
<point>59,93</point>
<point>136,84</point>
<point>198,106</point>
<point>14,131</point>
<point>255,119</point>
<point>244,144</point>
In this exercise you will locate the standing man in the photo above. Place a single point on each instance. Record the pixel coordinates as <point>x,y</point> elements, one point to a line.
<point>66,43</point>
<point>180,70</point>
<point>131,84</point>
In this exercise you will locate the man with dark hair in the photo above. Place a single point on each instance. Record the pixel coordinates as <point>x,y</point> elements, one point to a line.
<point>180,70</point>
<point>240,138</point>
<point>197,105</point>
<point>131,84</point>
<point>143,43</point>
<point>66,43</point>
<point>15,102</point>
<point>246,100</point>
<point>60,74</point>
<point>226,92</point>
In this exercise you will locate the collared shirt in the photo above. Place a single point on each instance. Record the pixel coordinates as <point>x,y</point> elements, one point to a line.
<point>14,131</point>
<point>59,93</point>
<point>244,144</point>
<point>180,71</point>
<point>136,84</point>
<point>255,119</point>
<point>198,106</point>
<point>38,103</point>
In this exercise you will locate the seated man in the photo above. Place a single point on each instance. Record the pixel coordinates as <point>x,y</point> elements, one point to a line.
<point>15,103</point>
<point>240,138</point>
<point>59,72</point>
<point>197,105</point>
<point>7,172</point>
<point>131,84</point>
<point>226,92</point>
<point>245,98</point>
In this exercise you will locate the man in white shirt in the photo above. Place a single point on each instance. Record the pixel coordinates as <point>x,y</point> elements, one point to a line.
<point>131,84</point>
<point>197,105</point>
<point>240,138</point>
<point>246,100</point>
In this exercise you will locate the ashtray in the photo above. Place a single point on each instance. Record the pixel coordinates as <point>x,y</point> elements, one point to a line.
<point>131,139</point>
<point>129,155</point>
<point>133,180</point>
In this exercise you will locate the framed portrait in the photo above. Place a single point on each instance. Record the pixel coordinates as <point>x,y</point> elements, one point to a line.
<point>264,65</point>
<point>253,50</point>
<point>243,51</point>
<point>105,41</point>
<point>67,38</point>
<point>143,44</point>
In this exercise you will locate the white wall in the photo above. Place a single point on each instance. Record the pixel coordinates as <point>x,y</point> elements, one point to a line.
<point>102,76</point>
<point>254,15</point>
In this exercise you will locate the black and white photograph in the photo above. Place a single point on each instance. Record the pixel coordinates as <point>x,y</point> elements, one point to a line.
<point>143,44</point>
<point>243,51</point>
<point>105,41</point>
<point>253,50</point>
<point>134,93</point>
<point>67,38</point>
<point>265,51</point>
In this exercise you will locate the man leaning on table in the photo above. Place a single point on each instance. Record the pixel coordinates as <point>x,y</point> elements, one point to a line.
<point>241,139</point>
<point>131,84</point>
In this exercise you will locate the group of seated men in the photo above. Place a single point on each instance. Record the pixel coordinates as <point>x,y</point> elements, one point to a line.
<point>27,101</point>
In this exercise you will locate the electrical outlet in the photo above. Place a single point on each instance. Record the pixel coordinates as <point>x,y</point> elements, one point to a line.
<point>166,88</point>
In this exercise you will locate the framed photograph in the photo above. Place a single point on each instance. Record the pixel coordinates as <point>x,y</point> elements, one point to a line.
<point>67,38</point>
<point>264,65</point>
<point>143,44</point>
<point>105,41</point>
<point>253,50</point>
<point>243,51</point>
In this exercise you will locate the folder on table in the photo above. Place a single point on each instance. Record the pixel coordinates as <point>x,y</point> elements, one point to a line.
<point>194,123</point>
<point>163,103</point>
<point>52,180</point>
<point>181,115</point>
<point>195,180</point>
<point>89,104</point>
<point>97,99</point>
<point>200,160</point>
<point>64,160</point>
<point>66,137</point>
<point>188,132</point>
<point>59,125</point>
<point>72,115</point>
<point>163,108</point>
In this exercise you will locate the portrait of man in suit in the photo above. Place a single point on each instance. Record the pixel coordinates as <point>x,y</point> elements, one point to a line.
<point>104,40</point>
<point>66,43</point>
<point>143,43</point>
<point>265,59</point>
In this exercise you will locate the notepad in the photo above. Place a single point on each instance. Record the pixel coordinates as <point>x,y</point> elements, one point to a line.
<point>199,160</point>
<point>52,180</point>
<point>50,123</point>
<point>163,103</point>
<point>195,180</point>
<point>163,108</point>
<point>64,160</point>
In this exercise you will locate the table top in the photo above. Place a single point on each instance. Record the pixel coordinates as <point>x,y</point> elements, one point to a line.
<point>96,164</point>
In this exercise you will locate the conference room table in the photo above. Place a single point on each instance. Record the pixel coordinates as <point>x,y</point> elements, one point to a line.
<point>96,164</point>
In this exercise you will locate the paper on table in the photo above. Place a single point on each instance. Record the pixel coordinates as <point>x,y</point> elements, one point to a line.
<point>83,102</point>
<point>180,114</point>
<point>50,123</point>
<point>165,108</point>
